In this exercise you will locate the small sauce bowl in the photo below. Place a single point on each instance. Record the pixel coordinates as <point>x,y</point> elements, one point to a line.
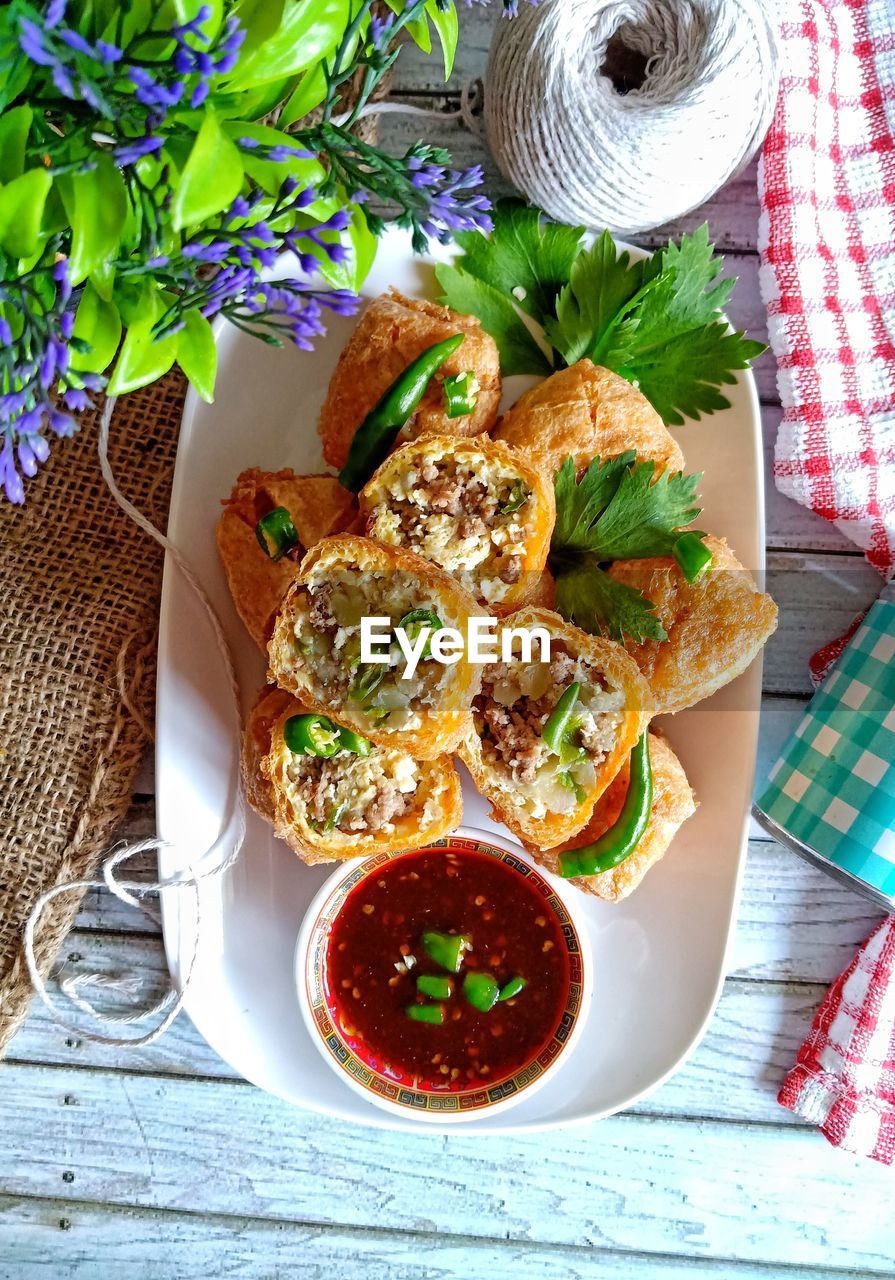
<point>367,940</point>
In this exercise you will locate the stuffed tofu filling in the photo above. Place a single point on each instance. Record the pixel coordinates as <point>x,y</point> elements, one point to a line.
<point>327,632</point>
<point>470,514</point>
<point>352,795</point>
<point>511,712</point>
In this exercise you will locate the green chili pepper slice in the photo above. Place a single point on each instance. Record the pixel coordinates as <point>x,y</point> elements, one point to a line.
<point>376,434</point>
<point>566,780</point>
<point>623,837</point>
<point>433,985</point>
<point>417,620</point>
<point>557,724</point>
<point>311,735</point>
<point>518,496</point>
<point>367,678</point>
<point>460,394</point>
<point>276,533</point>
<point>433,1013</point>
<point>692,555</point>
<point>481,991</point>
<point>353,742</point>
<point>446,949</point>
<point>511,988</point>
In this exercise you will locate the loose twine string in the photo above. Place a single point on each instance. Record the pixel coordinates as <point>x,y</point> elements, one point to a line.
<point>574,131</point>
<point>221,855</point>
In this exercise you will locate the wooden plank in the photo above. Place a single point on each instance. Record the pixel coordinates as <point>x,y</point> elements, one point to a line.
<point>751,1042</point>
<point>75,1241</point>
<point>633,1182</point>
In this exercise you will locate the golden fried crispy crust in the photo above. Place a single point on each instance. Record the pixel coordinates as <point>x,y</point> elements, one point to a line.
<point>715,626</point>
<point>391,333</point>
<point>673,803</point>
<point>538,516</point>
<point>437,810</point>
<point>587,412</point>
<point>621,673</point>
<point>445,721</point>
<point>318,506</point>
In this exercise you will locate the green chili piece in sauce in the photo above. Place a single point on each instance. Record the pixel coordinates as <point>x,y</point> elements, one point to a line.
<point>433,1013</point>
<point>446,949</point>
<point>434,986</point>
<point>481,990</point>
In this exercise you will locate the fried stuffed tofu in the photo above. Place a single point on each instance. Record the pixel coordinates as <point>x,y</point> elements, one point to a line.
<point>318,506</point>
<point>391,333</point>
<point>478,509</point>
<point>716,626</point>
<point>586,412</point>
<point>344,805</point>
<point>673,803</point>
<point>315,651</point>
<point>542,795</point>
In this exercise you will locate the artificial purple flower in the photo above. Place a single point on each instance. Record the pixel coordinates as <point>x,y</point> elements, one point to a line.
<point>76,41</point>
<point>32,45</point>
<point>109,53</point>
<point>194,26</point>
<point>5,333</point>
<point>55,12</point>
<point>136,148</point>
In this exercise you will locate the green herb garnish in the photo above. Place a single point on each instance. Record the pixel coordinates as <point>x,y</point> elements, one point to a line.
<point>620,510</point>
<point>657,321</point>
<point>517,497</point>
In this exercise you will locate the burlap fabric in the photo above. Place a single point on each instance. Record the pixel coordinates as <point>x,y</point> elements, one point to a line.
<point>79,585</point>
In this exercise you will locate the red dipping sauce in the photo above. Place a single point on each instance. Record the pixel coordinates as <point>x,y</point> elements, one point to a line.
<point>375,954</point>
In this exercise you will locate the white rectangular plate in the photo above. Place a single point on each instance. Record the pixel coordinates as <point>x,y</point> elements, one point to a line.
<point>658,957</point>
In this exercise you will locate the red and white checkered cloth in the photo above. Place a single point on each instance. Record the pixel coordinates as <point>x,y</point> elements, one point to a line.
<point>827,246</point>
<point>844,1077</point>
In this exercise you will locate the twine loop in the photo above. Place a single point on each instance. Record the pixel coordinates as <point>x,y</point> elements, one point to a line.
<point>629,113</point>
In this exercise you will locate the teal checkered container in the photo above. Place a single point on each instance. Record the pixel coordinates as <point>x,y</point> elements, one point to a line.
<point>831,795</point>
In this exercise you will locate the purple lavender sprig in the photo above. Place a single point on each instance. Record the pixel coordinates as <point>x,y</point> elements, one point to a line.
<point>435,200</point>
<point>37,313</point>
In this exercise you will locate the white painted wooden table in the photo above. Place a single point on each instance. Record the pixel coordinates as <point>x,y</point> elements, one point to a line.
<point>159,1163</point>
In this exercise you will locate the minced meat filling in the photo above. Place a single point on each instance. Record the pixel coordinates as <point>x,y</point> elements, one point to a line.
<point>472,517</point>
<point>327,634</point>
<point>510,713</point>
<point>355,795</point>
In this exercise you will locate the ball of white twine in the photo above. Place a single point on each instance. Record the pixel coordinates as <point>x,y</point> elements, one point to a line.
<point>628,113</point>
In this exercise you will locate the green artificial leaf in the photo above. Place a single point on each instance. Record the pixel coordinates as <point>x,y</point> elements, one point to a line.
<point>308,94</point>
<point>14,127</point>
<point>98,324</point>
<point>363,245</point>
<point>525,256</point>
<point>447,25</point>
<point>96,203</point>
<point>308,31</point>
<point>621,511</point>
<point>519,352</point>
<point>143,358</point>
<point>197,354</point>
<point>21,209</point>
<point>589,598</point>
<point>601,284</point>
<point>211,177</point>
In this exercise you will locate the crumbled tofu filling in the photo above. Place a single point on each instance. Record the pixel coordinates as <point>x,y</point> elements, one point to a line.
<point>510,713</point>
<point>327,642</point>
<point>354,794</point>
<point>469,514</point>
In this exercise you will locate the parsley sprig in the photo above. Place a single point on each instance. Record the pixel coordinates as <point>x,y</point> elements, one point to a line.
<point>618,510</point>
<point>657,321</point>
